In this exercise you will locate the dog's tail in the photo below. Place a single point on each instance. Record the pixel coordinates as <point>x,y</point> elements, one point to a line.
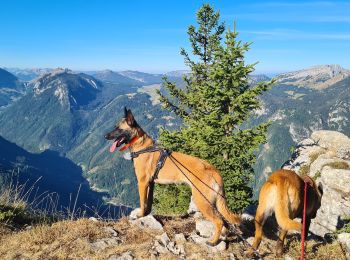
<point>282,210</point>
<point>221,205</point>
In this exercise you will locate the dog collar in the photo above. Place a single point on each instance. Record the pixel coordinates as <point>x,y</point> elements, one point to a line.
<point>133,140</point>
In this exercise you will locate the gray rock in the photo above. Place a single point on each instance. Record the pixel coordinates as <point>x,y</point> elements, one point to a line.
<point>125,256</point>
<point>323,148</point>
<point>198,215</point>
<point>333,141</point>
<point>164,239</point>
<point>221,246</point>
<point>173,248</point>
<point>93,219</point>
<point>202,241</point>
<point>343,153</point>
<point>250,240</point>
<point>179,238</point>
<point>198,239</point>
<point>205,228</point>
<point>344,238</point>
<point>322,161</point>
<point>103,243</point>
<point>232,256</point>
<point>288,257</point>
<point>335,204</point>
<point>147,222</point>
<point>111,231</point>
<point>159,248</point>
<point>134,213</point>
<point>192,208</point>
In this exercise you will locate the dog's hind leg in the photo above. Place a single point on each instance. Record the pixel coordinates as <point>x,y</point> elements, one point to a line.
<point>260,219</point>
<point>209,213</point>
<point>280,242</point>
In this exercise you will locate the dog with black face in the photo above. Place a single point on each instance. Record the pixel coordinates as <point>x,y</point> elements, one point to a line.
<point>203,178</point>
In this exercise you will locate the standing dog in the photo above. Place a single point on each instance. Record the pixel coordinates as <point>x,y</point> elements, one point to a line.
<point>203,178</point>
<point>283,194</point>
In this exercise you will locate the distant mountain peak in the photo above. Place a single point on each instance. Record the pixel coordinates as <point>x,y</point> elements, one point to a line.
<point>316,77</point>
<point>71,89</point>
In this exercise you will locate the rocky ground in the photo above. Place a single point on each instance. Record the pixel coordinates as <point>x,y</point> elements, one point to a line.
<point>325,157</point>
<point>145,238</point>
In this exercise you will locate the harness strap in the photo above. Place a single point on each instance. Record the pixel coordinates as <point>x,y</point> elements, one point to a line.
<point>164,153</point>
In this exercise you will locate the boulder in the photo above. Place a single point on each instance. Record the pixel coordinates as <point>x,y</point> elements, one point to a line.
<point>180,238</point>
<point>344,239</point>
<point>164,239</point>
<point>103,243</point>
<point>205,228</point>
<point>335,204</point>
<point>125,256</point>
<point>333,141</point>
<point>322,161</point>
<point>147,222</point>
<point>325,157</point>
<point>164,245</point>
<point>192,208</point>
<point>134,214</point>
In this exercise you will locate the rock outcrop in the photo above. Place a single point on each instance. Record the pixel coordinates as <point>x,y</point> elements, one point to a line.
<point>325,156</point>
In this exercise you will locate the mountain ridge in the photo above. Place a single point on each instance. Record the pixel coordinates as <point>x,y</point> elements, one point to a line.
<point>316,77</point>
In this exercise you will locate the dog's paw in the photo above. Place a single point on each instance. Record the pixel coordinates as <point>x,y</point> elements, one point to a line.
<point>211,243</point>
<point>249,253</point>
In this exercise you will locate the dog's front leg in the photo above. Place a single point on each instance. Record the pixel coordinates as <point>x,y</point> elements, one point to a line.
<point>149,200</point>
<point>143,189</point>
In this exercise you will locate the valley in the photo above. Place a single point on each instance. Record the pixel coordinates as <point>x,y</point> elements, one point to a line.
<point>68,113</point>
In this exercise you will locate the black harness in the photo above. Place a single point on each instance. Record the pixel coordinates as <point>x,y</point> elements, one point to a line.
<point>164,154</point>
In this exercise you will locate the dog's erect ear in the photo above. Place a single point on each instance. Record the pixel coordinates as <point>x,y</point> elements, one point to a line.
<point>130,120</point>
<point>125,112</point>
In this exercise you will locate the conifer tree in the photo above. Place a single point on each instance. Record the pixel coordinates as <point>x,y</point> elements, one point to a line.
<point>215,105</point>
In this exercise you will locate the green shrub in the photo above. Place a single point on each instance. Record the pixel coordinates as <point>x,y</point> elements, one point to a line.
<point>171,199</point>
<point>346,227</point>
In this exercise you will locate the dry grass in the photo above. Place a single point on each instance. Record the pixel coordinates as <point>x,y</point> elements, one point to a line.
<point>72,240</point>
<point>304,170</point>
<point>315,155</point>
<point>338,165</point>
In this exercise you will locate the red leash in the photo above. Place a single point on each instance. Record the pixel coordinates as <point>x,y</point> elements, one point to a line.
<point>304,223</point>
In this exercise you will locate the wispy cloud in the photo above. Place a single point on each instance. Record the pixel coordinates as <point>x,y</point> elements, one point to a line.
<point>289,17</point>
<point>295,4</point>
<point>287,34</point>
<point>296,12</point>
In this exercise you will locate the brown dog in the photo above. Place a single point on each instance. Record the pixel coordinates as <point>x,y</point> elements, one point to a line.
<point>203,178</point>
<point>283,194</point>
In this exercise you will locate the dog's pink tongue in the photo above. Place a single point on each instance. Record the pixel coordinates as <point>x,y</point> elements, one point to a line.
<point>113,146</point>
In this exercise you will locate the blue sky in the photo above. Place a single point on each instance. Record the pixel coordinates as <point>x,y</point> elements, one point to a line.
<point>147,35</point>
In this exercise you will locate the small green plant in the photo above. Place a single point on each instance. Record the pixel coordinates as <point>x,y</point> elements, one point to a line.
<point>4,215</point>
<point>346,227</point>
<point>292,149</point>
<point>317,175</point>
